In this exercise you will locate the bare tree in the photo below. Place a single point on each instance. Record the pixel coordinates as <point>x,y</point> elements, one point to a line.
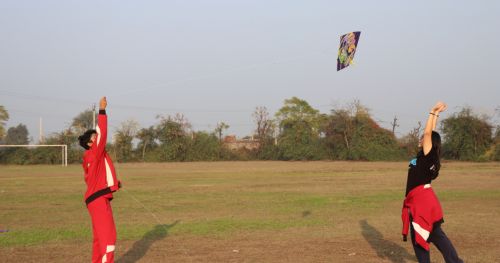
<point>128,128</point>
<point>183,121</point>
<point>264,123</point>
<point>219,129</point>
<point>394,124</point>
<point>178,118</point>
<point>410,141</point>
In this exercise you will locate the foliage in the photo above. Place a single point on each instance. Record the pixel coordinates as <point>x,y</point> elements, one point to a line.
<point>17,135</point>
<point>409,142</point>
<point>173,137</point>
<point>496,146</point>
<point>147,140</point>
<point>52,155</point>
<point>219,129</point>
<point>204,146</point>
<point>83,121</point>
<point>264,133</point>
<point>298,132</point>
<point>123,138</point>
<point>466,136</point>
<point>4,116</point>
<point>352,134</point>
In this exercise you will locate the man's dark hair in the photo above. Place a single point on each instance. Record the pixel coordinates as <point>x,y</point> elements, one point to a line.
<point>84,139</point>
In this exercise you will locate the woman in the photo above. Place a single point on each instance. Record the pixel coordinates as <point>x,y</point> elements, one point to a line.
<point>421,206</point>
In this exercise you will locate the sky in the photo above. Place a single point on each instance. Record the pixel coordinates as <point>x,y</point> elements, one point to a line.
<point>217,60</point>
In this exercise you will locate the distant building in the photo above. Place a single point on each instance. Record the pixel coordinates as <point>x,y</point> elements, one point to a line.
<point>247,143</point>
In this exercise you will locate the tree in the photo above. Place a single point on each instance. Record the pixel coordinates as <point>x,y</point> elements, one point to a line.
<point>52,155</point>
<point>340,128</point>
<point>352,134</point>
<point>466,135</point>
<point>17,135</point>
<point>147,139</point>
<point>496,139</point>
<point>295,110</point>
<point>219,129</point>
<point>172,134</point>
<point>394,124</point>
<point>264,133</point>
<point>299,131</point>
<point>4,117</point>
<point>204,146</point>
<point>83,121</point>
<point>123,140</point>
<point>263,122</point>
<point>409,142</point>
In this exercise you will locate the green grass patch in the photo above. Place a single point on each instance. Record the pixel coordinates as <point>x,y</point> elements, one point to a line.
<point>36,236</point>
<point>226,226</point>
<point>452,195</point>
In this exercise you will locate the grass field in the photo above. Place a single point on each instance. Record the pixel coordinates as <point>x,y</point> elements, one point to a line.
<point>246,212</point>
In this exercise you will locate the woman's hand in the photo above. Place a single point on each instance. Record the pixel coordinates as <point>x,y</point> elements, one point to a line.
<point>439,107</point>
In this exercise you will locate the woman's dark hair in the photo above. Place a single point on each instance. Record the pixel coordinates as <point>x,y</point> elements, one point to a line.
<point>436,146</point>
<point>436,143</point>
<point>84,139</point>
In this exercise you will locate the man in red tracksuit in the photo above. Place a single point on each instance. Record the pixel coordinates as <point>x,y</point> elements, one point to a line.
<point>101,181</point>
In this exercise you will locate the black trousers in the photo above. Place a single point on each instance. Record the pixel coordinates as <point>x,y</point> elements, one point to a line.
<point>441,241</point>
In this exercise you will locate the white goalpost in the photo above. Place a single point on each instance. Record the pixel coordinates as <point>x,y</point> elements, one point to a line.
<point>64,149</point>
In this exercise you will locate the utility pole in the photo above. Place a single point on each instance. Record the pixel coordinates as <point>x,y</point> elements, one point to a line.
<point>93,116</point>
<point>40,138</point>
<point>394,124</point>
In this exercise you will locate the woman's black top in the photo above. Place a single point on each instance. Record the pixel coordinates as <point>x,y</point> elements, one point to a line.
<point>422,170</point>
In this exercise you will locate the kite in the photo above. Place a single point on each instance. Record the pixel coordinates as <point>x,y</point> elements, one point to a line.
<point>348,44</point>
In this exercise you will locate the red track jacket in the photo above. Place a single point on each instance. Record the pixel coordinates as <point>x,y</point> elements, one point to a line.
<point>99,171</point>
<point>425,209</point>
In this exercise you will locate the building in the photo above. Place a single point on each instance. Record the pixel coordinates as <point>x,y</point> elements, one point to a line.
<point>247,143</point>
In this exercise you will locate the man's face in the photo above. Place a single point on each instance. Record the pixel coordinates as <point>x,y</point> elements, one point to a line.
<point>93,137</point>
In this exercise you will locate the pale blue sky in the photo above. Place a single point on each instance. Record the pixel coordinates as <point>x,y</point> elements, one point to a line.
<point>217,60</point>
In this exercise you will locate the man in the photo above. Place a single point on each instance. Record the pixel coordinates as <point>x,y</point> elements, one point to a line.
<point>101,181</point>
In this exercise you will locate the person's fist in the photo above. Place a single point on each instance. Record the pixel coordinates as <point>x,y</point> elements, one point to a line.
<point>103,103</point>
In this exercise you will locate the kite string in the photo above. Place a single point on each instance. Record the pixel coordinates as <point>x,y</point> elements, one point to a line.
<point>221,73</point>
<point>154,216</point>
<point>143,206</point>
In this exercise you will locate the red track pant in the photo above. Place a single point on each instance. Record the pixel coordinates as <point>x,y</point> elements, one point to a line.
<point>103,228</point>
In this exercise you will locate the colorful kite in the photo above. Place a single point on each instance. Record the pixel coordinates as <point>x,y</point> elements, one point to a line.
<point>348,44</point>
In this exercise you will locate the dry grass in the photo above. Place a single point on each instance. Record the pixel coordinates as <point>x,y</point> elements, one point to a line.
<point>246,212</point>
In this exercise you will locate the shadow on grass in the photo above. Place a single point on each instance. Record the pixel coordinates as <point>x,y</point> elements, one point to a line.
<point>385,249</point>
<point>141,247</point>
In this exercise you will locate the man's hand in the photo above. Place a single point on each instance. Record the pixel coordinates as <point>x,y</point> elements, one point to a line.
<point>103,103</point>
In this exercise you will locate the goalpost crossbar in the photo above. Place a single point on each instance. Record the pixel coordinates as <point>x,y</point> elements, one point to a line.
<point>64,149</point>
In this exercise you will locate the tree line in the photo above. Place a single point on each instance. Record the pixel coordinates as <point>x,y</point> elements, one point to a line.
<point>296,131</point>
